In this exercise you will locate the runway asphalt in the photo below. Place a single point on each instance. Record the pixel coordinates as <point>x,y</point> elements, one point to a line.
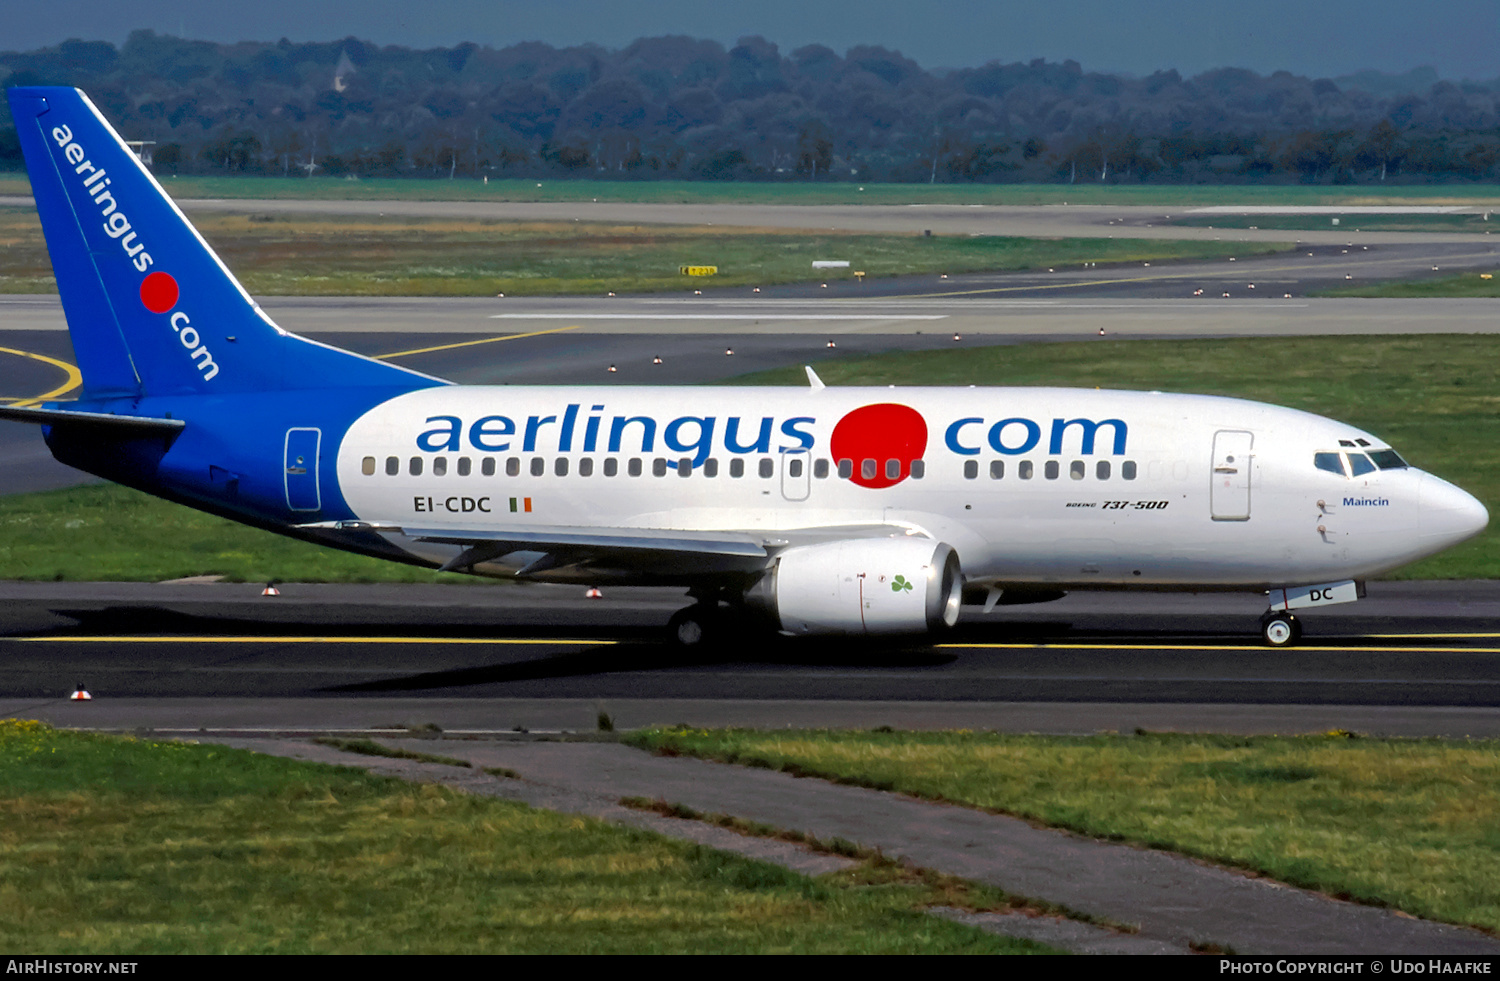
<point>1411,659</point>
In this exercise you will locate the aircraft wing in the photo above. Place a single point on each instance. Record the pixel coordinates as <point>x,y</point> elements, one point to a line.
<point>556,546</point>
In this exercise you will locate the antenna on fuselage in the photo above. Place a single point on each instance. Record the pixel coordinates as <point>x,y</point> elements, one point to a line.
<point>813,379</point>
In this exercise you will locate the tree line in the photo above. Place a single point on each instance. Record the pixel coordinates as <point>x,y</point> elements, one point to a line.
<point>677,107</point>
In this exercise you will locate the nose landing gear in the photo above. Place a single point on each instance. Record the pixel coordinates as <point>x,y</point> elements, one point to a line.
<point>1280,629</point>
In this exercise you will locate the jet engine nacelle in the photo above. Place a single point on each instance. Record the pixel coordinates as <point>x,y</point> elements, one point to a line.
<point>862,586</point>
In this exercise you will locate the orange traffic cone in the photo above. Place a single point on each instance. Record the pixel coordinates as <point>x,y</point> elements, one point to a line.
<point>270,590</point>
<point>80,695</point>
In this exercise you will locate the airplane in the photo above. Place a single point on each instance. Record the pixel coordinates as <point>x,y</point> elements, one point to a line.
<point>813,510</point>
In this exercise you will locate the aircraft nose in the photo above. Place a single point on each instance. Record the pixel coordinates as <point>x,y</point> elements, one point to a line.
<point>1449,514</point>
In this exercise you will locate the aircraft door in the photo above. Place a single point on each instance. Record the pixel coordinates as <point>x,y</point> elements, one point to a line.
<point>796,474</point>
<point>1230,490</point>
<point>301,461</point>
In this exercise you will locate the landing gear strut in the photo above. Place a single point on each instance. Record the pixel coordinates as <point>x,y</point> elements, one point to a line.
<point>1279,629</point>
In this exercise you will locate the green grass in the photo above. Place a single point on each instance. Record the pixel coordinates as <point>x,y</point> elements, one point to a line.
<point>1432,396</point>
<point>1403,823</point>
<point>341,256</point>
<point>1469,284</point>
<point>110,533</point>
<point>121,846</point>
<point>1479,224</point>
<point>798,192</point>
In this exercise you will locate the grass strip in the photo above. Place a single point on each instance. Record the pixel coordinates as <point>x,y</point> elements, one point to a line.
<point>1402,823</point>
<point>798,192</point>
<point>398,256</point>
<point>1468,284</point>
<point>875,866</point>
<point>369,747</point>
<point>119,845</point>
<point>1432,396</point>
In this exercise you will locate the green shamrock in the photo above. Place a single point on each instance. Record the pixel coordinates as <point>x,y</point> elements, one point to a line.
<point>900,583</point>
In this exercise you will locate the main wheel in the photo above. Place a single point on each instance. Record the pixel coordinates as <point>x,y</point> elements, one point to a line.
<point>690,628</point>
<point>1280,630</point>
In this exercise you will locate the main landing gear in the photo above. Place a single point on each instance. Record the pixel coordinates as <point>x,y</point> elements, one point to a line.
<point>1280,629</point>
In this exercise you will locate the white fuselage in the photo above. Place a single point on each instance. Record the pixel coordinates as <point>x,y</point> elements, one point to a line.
<point>1029,485</point>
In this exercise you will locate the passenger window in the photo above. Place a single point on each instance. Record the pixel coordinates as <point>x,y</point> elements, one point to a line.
<point>1102,470</point>
<point>416,466</point>
<point>560,467</point>
<point>1076,469</point>
<point>634,467</point>
<point>685,467</point>
<point>846,469</point>
<point>892,469</point>
<point>997,469</point>
<point>464,466</point>
<point>367,466</point>
<point>867,469</point>
<point>1360,464</point>
<point>439,466</point>
<point>513,466</point>
<point>971,469</point>
<point>1025,470</point>
<point>1127,470</point>
<point>488,466</point>
<point>538,466</point>
<point>737,467</point>
<point>392,466</point>
<point>767,467</point>
<point>794,467</point>
<point>918,469</point>
<point>711,467</point>
<point>611,466</point>
<point>659,467</point>
<point>1052,469</point>
<point>1329,462</point>
<point>586,467</point>
<point>820,469</point>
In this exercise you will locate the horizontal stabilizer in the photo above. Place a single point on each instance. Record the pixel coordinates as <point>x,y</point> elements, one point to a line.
<point>124,425</point>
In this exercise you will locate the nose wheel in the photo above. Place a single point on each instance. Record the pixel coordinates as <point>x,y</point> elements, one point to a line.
<point>1280,629</point>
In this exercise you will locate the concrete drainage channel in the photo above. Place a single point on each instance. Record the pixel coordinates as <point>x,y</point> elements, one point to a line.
<point>1178,905</point>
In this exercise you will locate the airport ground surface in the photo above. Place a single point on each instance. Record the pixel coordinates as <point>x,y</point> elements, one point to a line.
<point>223,662</point>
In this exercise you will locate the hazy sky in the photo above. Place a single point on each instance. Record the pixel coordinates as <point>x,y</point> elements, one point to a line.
<point>1460,38</point>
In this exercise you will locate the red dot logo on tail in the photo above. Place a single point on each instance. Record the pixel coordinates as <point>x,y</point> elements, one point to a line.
<point>159,292</point>
<point>882,432</point>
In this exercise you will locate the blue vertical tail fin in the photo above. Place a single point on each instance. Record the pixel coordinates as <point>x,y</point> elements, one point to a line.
<point>150,307</point>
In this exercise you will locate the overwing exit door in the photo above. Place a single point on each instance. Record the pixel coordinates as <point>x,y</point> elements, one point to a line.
<point>1230,493</point>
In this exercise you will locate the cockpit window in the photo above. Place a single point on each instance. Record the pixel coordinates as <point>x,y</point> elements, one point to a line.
<point>1360,464</point>
<point>1388,460</point>
<point>1329,462</point>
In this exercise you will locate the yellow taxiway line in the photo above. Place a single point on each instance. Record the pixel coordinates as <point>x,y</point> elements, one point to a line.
<point>75,377</point>
<point>313,640</point>
<point>482,340</point>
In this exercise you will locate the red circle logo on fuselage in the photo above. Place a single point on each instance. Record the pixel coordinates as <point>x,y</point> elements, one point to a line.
<point>159,292</point>
<point>881,432</point>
